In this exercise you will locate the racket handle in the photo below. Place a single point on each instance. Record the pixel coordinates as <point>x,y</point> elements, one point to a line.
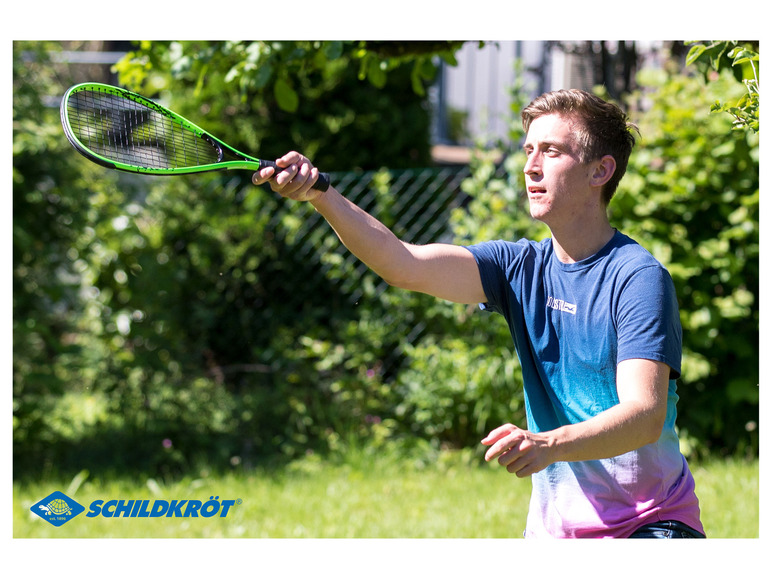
<point>322,182</point>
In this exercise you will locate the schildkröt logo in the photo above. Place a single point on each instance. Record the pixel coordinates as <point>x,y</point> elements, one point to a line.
<point>57,508</point>
<point>184,508</point>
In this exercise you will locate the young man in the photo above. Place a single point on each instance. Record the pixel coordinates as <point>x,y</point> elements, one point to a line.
<point>593,316</point>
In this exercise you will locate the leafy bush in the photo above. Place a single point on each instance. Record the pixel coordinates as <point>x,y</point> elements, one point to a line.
<point>182,312</point>
<point>742,60</point>
<point>268,98</point>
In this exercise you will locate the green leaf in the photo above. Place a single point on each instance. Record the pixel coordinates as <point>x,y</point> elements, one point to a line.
<point>286,97</point>
<point>742,55</point>
<point>417,81</point>
<point>376,73</point>
<point>694,53</point>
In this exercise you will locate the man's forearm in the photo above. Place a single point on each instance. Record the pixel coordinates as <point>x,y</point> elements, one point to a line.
<point>620,429</point>
<point>636,421</point>
<point>366,237</point>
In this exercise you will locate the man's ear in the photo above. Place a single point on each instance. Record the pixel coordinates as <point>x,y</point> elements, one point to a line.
<point>604,170</point>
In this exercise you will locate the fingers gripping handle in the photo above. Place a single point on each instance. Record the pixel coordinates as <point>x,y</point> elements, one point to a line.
<point>322,182</point>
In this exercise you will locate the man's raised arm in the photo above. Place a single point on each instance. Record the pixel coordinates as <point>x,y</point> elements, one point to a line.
<point>445,271</point>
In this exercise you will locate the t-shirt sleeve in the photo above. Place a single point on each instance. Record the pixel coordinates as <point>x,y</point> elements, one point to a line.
<point>648,323</point>
<point>494,258</point>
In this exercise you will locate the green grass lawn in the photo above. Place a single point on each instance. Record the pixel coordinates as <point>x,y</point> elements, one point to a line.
<point>364,498</point>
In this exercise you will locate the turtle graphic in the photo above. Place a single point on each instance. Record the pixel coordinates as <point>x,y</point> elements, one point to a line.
<point>57,507</point>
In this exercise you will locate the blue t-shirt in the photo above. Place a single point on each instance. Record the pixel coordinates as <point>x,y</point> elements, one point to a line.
<point>571,325</point>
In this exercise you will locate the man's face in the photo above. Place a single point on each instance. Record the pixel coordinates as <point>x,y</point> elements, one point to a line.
<point>558,182</point>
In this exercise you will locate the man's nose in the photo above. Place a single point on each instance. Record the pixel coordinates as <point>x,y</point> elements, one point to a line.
<point>532,165</point>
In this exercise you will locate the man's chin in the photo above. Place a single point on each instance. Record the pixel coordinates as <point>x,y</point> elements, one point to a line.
<point>537,213</point>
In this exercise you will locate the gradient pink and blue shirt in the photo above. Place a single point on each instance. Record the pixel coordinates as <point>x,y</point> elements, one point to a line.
<point>571,325</point>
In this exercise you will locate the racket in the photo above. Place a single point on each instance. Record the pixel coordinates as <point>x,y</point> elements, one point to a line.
<point>122,130</point>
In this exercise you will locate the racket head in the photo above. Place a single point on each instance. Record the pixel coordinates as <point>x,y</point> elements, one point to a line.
<point>123,130</point>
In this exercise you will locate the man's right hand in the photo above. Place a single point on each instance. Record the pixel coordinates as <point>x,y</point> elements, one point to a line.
<point>295,182</point>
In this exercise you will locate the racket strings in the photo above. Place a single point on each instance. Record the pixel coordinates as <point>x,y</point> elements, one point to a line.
<point>131,133</point>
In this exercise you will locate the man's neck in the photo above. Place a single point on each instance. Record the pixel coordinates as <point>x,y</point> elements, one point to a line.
<point>581,240</point>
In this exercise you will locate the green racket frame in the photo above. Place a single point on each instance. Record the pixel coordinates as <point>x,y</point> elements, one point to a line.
<point>227,158</point>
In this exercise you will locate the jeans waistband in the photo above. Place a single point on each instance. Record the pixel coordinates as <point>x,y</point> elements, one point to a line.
<point>666,530</point>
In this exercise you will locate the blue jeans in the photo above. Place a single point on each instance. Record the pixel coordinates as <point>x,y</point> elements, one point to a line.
<point>666,530</point>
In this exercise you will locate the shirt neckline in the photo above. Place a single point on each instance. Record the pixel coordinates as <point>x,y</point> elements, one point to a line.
<point>588,261</point>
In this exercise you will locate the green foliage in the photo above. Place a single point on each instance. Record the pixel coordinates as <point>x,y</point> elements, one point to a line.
<point>691,197</point>
<point>86,388</point>
<point>49,214</point>
<point>161,323</point>
<point>325,99</point>
<point>742,60</point>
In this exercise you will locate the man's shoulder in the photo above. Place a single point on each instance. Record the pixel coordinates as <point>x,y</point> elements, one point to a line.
<point>630,254</point>
<point>635,268</point>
